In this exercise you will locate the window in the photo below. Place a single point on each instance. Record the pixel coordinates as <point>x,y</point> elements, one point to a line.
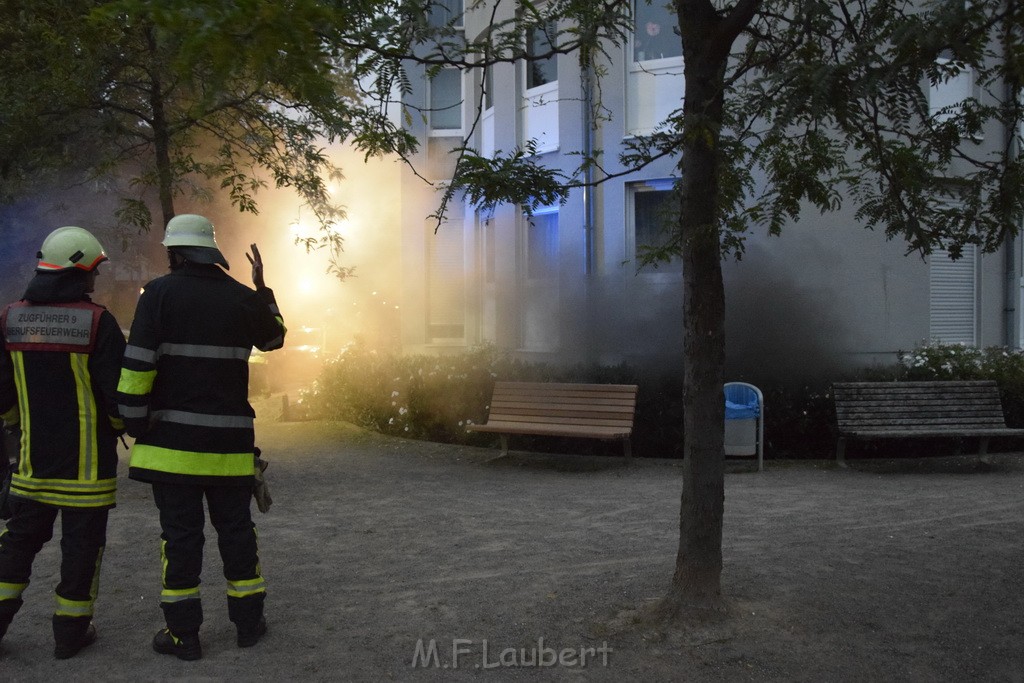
<point>543,71</point>
<point>488,263</point>
<point>654,212</point>
<point>539,302</point>
<point>946,97</point>
<point>654,32</point>
<point>540,96</point>
<point>446,102</point>
<point>441,13</point>
<point>446,300</point>
<point>953,296</point>
<point>488,87</point>
<point>654,80</point>
<point>490,251</point>
<point>487,117</point>
<point>542,246</point>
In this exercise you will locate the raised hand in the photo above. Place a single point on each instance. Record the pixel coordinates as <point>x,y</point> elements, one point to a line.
<point>257,267</point>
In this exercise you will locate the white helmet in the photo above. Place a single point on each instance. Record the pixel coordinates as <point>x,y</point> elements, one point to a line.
<point>193,236</point>
<point>70,247</point>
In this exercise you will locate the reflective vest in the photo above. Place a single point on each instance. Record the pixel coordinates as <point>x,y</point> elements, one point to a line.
<point>184,381</point>
<point>58,374</point>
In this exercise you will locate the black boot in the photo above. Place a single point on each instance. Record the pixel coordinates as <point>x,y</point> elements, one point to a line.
<point>250,636</point>
<point>70,644</point>
<point>184,646</point>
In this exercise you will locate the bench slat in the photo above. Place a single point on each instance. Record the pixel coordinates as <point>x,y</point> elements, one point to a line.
<point>970,408</point>
<point>553,430</point>
<point>556,409</point>
<point>598,411</point>
<point>895,434</point>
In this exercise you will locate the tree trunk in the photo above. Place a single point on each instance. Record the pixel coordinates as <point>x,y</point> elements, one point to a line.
<point>161,138</point>
<point>696,584</point>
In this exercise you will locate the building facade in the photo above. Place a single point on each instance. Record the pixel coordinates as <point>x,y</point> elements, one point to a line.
<point>565,286</point>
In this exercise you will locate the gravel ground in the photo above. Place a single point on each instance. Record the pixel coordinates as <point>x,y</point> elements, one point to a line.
<point>397,560</point>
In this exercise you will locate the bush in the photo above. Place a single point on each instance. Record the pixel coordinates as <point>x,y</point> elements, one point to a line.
<point>436,397</point>
<point>418,396</point>
<point>937,362</point>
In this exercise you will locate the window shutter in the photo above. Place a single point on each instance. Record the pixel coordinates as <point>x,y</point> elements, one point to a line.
<point>953,297</point>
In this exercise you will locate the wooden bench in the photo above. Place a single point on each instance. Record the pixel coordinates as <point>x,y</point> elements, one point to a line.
<point>891,410</point>
<point>590,411</point>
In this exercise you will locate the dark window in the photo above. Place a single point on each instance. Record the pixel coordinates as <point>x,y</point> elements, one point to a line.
<point>542,246</point>
<point>654,34</point>
<point>446,100</point>
<point>442,13</point>
<point>542,71</point>
<point>654,216</point>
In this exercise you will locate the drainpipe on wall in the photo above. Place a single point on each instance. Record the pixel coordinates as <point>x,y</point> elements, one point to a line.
<point>588,174</point>
<point>1014,333</point>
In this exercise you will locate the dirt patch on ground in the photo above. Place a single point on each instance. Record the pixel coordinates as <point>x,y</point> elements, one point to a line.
<point>377,547</point>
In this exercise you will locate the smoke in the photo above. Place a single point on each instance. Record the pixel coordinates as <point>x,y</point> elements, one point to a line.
<point>322,313</point>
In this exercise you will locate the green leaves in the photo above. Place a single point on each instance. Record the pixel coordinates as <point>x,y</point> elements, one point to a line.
<point>513,178</point>
<point>841,110</point>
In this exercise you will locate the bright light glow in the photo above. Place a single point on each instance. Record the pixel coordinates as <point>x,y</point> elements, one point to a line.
<point>306,285</point>
<point>300,230</point>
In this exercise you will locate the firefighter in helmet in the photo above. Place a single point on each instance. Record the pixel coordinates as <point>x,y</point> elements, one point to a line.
<point>58,377</point>
<point>184,395</point>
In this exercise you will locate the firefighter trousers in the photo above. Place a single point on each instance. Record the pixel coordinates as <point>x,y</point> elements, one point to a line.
<point>182,521</point>
<point>83,537</point>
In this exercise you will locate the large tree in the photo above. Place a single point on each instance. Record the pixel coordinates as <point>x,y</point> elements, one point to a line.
<point>789,105</point>
<point>175,98</point>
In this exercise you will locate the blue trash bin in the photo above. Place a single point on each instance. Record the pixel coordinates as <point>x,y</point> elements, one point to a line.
<point>744,421</point>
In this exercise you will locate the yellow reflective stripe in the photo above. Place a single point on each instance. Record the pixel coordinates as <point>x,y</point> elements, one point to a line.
<point>73,608</point>
<point>136,382</point>
<point>246,587</point>
<point>66,492</point>
<point>11,591</point>
<point>179,594</point>
<point>88,463</point>
<point>25,461</point>
<point>64,485</point>
<point>173,461</point>
<point>65,500</point>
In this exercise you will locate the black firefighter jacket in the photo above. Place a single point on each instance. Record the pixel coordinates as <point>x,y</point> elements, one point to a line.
<point>183,390</point>
<point>58,375</point>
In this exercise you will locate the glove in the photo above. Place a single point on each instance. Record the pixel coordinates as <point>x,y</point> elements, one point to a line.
<point>260,491</point>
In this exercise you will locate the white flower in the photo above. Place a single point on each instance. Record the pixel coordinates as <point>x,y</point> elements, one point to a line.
<point>394,393</point>
<point>391,421</point>
<point>403,410</point>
